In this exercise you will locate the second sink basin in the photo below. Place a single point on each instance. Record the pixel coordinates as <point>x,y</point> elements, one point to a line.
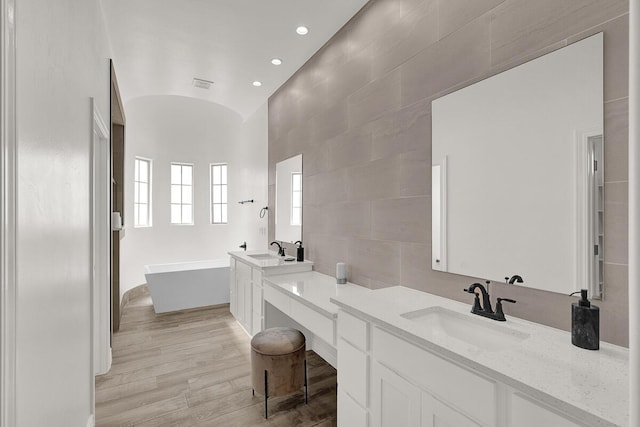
<point>263,256</point>
<point>440,323</point>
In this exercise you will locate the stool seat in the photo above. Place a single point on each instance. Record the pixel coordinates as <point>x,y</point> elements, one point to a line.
<point>277,341</point>
<point>278,363</point>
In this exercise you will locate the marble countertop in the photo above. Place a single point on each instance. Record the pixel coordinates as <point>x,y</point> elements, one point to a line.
<point>270,263</point>
<point>314,289</point>
<point>545,365</point>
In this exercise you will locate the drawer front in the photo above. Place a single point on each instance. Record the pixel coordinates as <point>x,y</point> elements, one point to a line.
<point>277,299</point>
<point>353,371</point>
<point>317,323</point>
<point>257,299</point>
<point>349,413</point>
<point>525,412</point>
<point>353,330</point>
<point>472,394</point>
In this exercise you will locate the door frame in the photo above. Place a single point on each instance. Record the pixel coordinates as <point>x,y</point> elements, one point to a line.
<point>100,243</point>
<point>8,209</point>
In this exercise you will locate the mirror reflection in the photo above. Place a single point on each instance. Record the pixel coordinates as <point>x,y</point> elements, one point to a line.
<point>289,199</point>
<point>517,172</point>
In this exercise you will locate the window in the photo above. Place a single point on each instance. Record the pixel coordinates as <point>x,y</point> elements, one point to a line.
<point>181,193</point>
<point>219,194</point>
<point>142,193</point>
<point>296,198</point>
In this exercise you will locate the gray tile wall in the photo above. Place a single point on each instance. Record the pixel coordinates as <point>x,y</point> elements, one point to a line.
<point>359,111</point>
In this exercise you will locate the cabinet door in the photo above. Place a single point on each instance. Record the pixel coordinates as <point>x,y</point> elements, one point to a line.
<point>243,291</point>
<point>248,312</point>
<point>394,401</point>
<point>233,300</point>
<point>525,412</point>
<point>437,414</point>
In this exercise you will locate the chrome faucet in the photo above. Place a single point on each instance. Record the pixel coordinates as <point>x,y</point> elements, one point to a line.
<point>280,248</point>
<point>485,310</point>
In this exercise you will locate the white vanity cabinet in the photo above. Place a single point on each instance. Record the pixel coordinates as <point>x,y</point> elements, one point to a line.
<point>246,288</point>
<point>526,412</point>
<point>241,289</point>
<point>386,380</point>
<point>394,383</point>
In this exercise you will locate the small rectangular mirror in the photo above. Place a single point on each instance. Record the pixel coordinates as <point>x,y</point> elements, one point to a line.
<point>289,199</point>
<point>517,168</point>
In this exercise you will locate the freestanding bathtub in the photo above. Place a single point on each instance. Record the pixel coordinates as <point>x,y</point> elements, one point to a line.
<point>188,284</point>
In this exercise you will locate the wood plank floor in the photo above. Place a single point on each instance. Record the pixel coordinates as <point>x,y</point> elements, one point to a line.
<point>192,368</point>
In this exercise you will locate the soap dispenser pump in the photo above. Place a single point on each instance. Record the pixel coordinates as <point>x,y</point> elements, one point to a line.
<point>300,251</point>
<point>585,323</point>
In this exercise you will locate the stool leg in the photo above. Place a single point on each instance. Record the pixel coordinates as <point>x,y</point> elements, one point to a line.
<point>266,385</point>
<point>306,399</point>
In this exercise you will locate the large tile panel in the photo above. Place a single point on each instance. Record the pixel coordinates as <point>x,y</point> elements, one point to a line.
<point>374,99</point>
<point>522,26</point>
<point>405,220</point>
<point>374,259</point>
<point>454,14</point>
<point>616,140</point>
<point>458,57</point>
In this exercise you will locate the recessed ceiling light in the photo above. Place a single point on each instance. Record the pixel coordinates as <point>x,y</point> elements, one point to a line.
<point>257,83</point>
<point>302,30</point>
<point>276,61</point>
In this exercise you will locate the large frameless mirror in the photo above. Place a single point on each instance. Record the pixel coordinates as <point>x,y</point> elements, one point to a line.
<point>289,199</point>
<point>517,172</point>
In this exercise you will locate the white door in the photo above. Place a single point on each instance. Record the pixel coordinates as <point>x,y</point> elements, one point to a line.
<point>394,401</point>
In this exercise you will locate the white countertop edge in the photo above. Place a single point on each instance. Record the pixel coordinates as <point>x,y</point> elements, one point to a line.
<point>300,299</point>
<point>577,413</point>
<point>243,256</point>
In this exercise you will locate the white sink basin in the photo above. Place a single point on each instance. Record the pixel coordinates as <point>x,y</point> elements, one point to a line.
<point>443,324</point>
<point>263,256</point>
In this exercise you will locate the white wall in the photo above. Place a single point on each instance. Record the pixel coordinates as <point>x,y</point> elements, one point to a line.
<point>178,129</point>
<point>62,61</point>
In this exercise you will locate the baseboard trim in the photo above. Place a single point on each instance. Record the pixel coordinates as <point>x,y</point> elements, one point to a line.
<point>91,422</point>
<point>131,294</point>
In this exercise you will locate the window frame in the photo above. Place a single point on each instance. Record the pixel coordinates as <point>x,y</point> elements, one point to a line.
<point>192,185</point>
<point>149,203</point>
<point>211,191</point>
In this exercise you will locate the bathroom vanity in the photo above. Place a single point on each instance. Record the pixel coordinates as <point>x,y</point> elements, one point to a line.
<point>246,271</point>
<point>303,301</point>
<point>408,358</point>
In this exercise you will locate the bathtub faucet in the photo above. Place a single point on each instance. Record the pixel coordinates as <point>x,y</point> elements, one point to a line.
<point>280,248</point>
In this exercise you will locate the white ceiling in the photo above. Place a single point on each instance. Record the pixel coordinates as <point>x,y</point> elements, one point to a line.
<point>159,46</point>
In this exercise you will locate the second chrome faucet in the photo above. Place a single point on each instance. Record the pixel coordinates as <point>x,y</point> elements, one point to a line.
<point>485,309</point>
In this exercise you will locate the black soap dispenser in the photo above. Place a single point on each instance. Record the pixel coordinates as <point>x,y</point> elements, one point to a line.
<point>300,257</point>
<point>585,323</point>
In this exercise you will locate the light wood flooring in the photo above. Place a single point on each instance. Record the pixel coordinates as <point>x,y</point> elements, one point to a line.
<point>192,368</point>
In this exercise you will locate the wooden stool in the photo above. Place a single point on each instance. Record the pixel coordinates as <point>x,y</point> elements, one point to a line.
<point>278,363</point>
